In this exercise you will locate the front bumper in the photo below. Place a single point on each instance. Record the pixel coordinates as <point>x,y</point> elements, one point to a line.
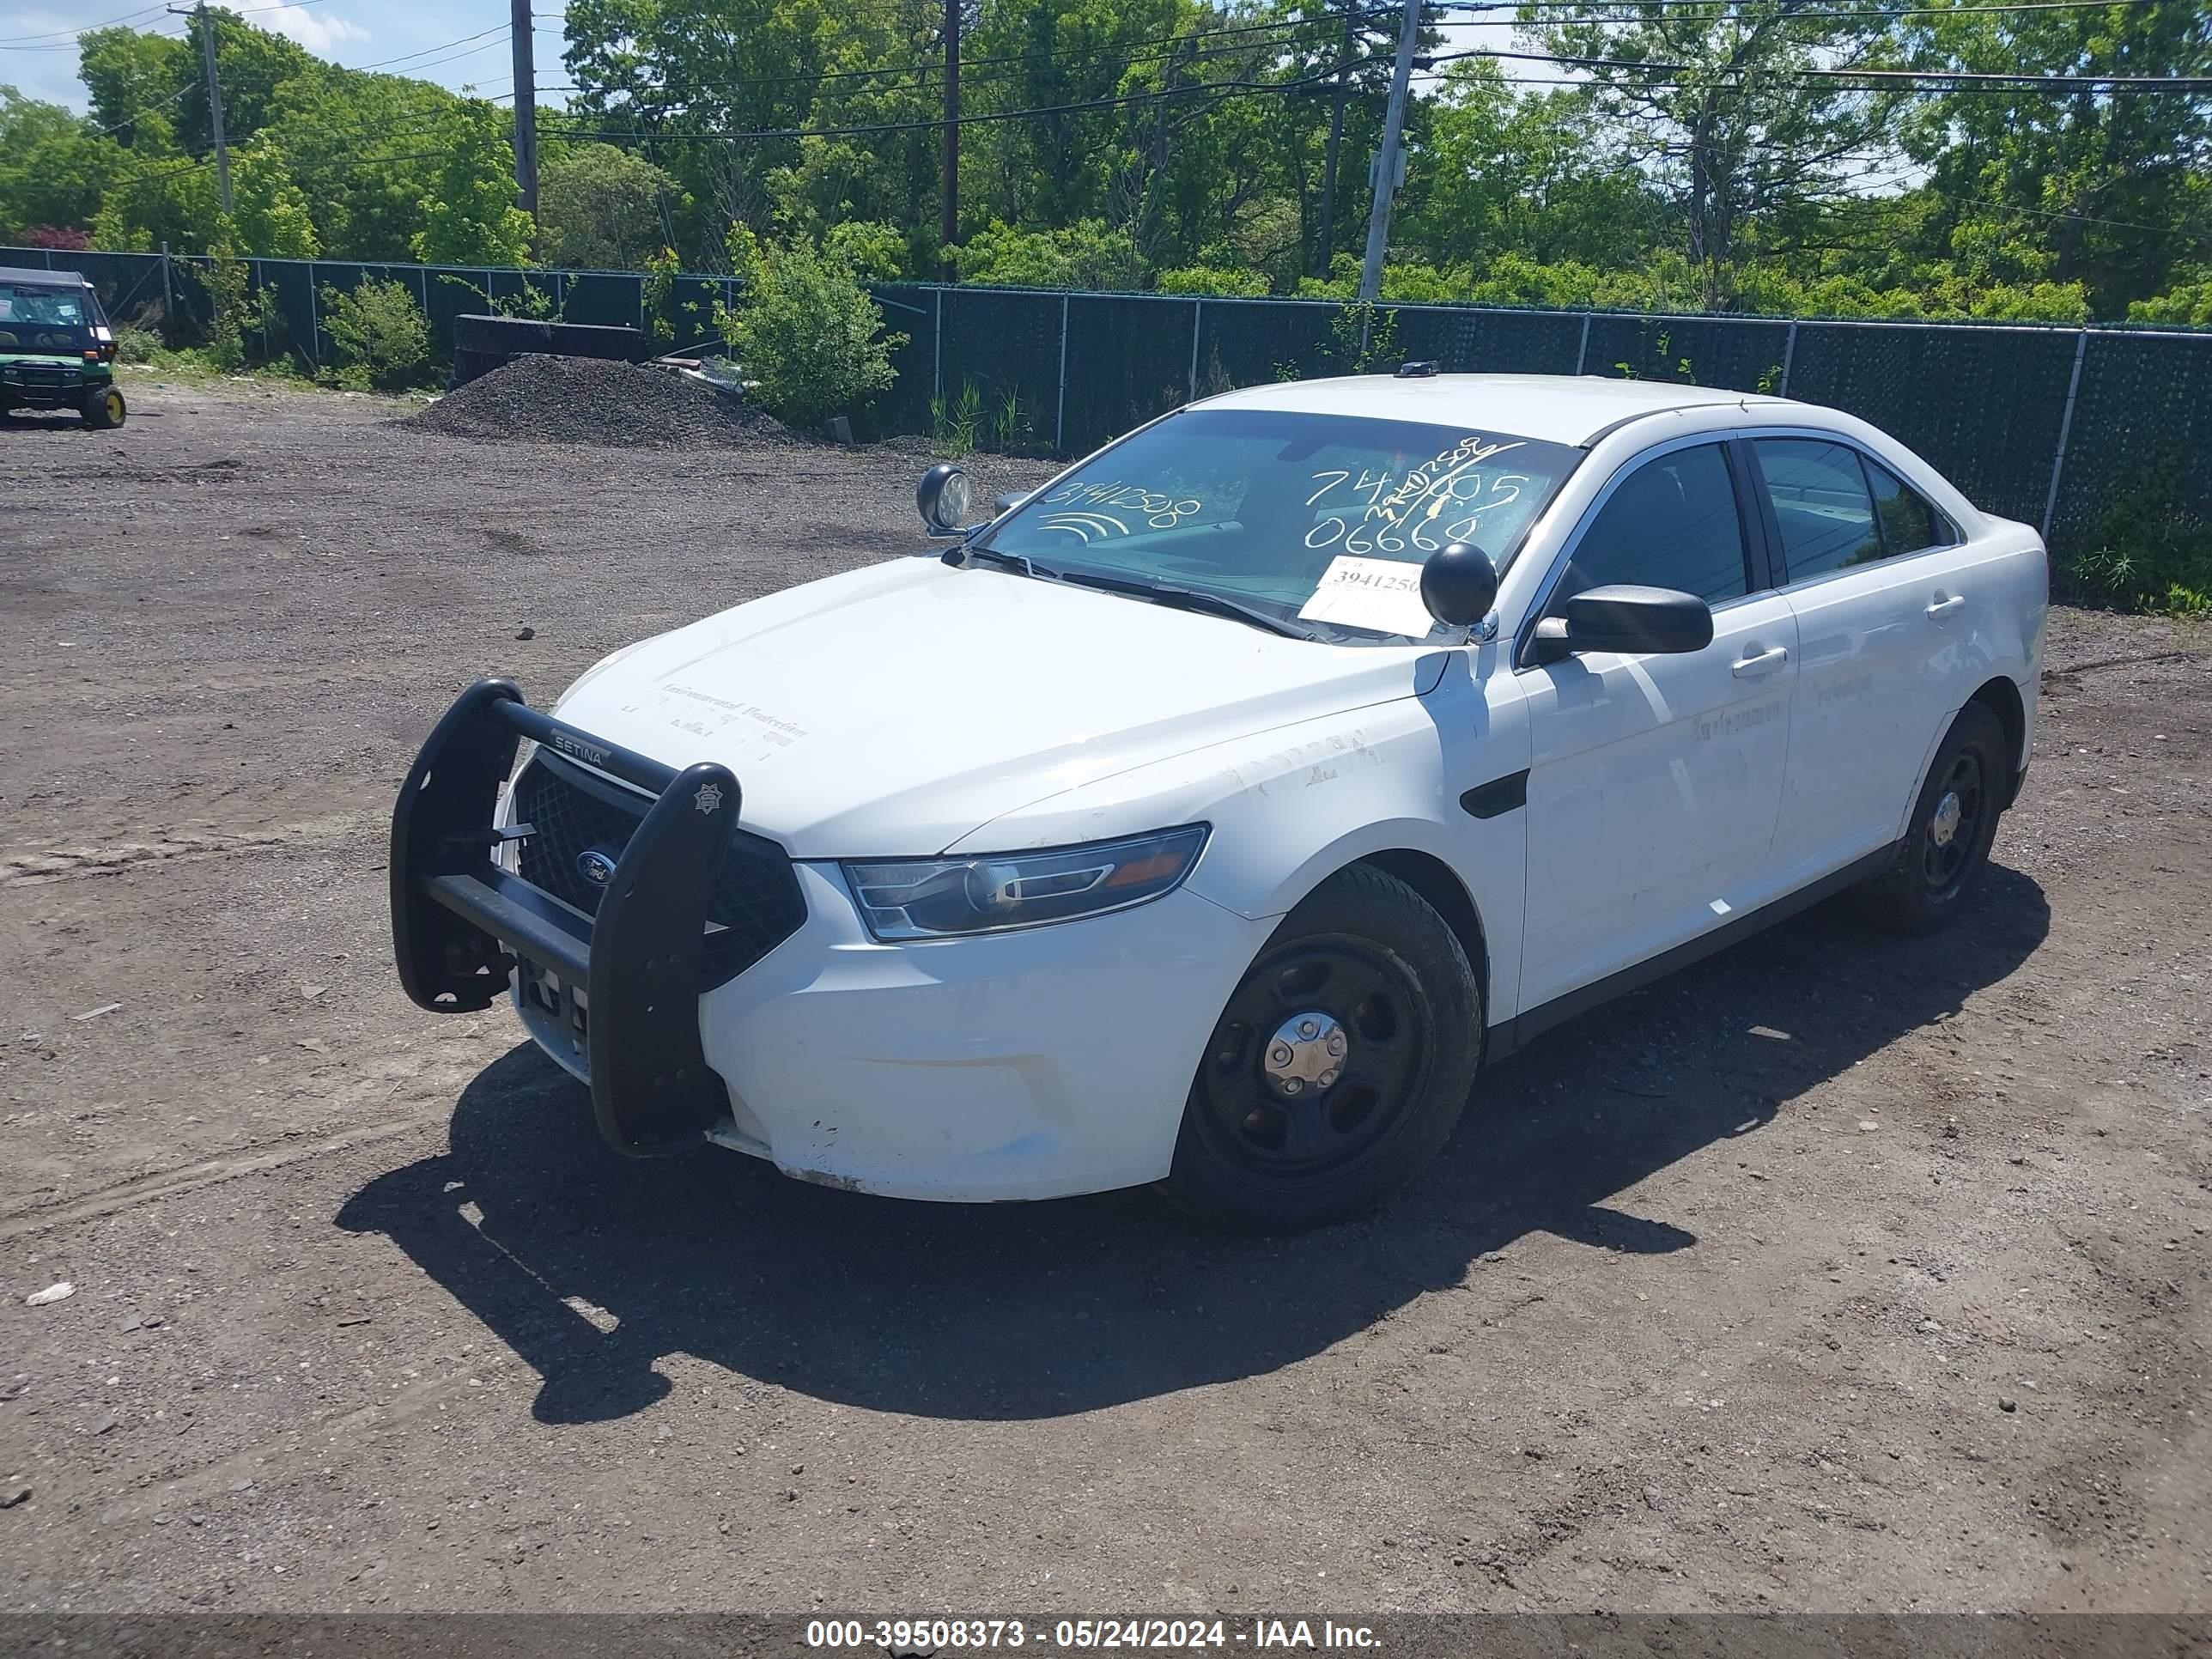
<point>41,386</point>
<point>1017,1066</point>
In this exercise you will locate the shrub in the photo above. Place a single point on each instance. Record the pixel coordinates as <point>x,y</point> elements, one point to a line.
<point>954,422</point>
<point>2148,552</point>
<point>805,332</point>
<point>135,345</point>
<point>229,308</point>
<point>1216,280</point>
<point>1086,254</point>
<point>382,339</point>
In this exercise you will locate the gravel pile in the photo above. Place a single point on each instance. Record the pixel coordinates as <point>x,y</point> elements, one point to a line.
<point>582,400</point>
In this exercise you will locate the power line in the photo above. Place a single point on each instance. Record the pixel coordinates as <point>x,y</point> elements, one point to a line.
<point>363,69</point>
<point>2068,83</point>
<point>74,36</point>
<point>137,115</point>
<point>1125,51</point>
<point>71,45</point>
<point>47,34</point>
<point>1225,88</point>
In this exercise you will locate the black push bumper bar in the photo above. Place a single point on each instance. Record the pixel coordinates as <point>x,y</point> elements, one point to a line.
<point>459,920</point>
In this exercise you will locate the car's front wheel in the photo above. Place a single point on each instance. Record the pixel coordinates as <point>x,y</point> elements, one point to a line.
<point>1953,821</point>
<point>1338,1066</point>
<point>103,409</point>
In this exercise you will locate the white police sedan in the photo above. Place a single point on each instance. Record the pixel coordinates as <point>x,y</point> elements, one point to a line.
<point>1210,815</point>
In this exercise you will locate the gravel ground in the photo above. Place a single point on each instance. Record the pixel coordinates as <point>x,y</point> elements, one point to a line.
<point>1835,1273</point>
<point>580,400</point>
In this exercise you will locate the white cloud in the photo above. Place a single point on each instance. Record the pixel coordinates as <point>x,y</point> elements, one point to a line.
<point>319,32</point>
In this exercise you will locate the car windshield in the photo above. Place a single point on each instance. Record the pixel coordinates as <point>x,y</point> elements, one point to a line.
<point>62,307</point>
<point>1316,523</point>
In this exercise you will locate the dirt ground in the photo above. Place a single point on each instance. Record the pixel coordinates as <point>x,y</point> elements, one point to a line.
<point>1836,1273</point>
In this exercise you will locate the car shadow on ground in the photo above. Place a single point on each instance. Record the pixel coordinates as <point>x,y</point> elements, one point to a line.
<point>1016,1311</point>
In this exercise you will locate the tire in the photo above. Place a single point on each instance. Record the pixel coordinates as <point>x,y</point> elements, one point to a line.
<point>1374,964</point>
<point>103,409</point>
<point>1946,842</point>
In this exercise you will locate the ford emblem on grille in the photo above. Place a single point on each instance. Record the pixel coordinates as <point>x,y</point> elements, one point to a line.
<point>599,869</point>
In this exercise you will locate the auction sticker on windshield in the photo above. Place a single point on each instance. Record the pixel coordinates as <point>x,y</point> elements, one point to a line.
<point>1383,595</point>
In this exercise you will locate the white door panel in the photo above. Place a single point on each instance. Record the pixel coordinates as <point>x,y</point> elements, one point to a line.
<point>1868,704</point>
<point>1653,789</point>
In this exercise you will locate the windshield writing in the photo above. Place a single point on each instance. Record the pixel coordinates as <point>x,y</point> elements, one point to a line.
<point>1257,505</point>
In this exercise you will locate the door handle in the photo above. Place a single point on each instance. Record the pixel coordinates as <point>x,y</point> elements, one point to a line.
<point>1943,607</point>
<point>1764,662</point>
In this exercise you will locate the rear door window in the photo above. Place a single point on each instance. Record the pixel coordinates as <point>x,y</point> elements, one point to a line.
<point>1671,523</point>
<point>1822,505</point>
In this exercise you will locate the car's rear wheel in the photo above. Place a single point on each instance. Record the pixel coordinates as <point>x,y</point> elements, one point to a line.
<point>1953,820</point>
<point>1338,1067</point>
<point>103,409</point>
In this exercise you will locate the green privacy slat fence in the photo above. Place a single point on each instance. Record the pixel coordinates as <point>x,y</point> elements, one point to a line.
<point>2054,426</point>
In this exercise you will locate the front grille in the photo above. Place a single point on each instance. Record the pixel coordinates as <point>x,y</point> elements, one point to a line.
<point>754,907</point>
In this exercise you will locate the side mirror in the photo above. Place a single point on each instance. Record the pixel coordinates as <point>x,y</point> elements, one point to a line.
<point>1459,584</point>
<point>1009,501</point>
<point>942,499</point>
<point>1621,617</point>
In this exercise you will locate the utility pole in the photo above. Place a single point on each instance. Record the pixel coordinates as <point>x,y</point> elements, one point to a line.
<point>525,106</point>
<point>948,209</point>
<point>1386,160</point>
<point>214,98</point>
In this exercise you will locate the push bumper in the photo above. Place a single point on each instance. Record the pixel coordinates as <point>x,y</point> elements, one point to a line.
<point>461,924</point>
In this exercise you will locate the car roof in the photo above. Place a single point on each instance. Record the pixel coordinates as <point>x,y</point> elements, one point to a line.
<point>31,277</point>
<point>1564,409</point>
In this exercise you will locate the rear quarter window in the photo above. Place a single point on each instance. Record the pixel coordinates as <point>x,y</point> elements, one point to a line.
<point>1909,524</point>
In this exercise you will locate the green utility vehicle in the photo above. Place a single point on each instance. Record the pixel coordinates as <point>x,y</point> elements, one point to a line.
<point>56,350</point>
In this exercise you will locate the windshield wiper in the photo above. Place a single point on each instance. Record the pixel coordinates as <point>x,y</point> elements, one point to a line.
<point>1013,561</point>
<point>1189,599</point>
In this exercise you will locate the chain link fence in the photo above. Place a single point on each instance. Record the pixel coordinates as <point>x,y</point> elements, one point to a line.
<point>2058,426</point>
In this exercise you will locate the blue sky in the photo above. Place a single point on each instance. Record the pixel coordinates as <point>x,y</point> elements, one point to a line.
<point>40,60</point>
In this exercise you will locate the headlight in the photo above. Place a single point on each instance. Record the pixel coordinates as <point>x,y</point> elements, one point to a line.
<point>935,898</point>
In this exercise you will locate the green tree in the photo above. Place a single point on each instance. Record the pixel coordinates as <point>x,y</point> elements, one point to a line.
<point>1716,103</point>
<point>1506,173</point>
<point>2118,186</point>
<point>1085,254</point>
<point>706,69</point>
<point>52,168</point>
<point>158,196</point>
<point>600,208</point>
<point>269,211</point>
<point>363,148</point>
<point>253,63</point>
<point>2188,302</point>
<point>128,75</point>
<point>470,217</point>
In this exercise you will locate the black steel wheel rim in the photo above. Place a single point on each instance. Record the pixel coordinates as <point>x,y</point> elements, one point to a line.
<point>1387,1017</point>
<point>1943,856</point>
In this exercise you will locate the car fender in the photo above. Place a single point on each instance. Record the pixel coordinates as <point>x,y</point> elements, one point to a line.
<point>1290,807</point>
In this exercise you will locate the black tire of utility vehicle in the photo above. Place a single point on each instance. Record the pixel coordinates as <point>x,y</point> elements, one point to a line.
<point>1946,842</point>
<point>1366,951</point>
<point>103,409</point>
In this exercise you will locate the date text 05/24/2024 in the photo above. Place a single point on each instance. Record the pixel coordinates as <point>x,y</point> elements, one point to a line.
<point>940,1635</point>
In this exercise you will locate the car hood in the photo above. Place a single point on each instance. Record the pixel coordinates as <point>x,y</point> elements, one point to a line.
<point>891,711</point>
